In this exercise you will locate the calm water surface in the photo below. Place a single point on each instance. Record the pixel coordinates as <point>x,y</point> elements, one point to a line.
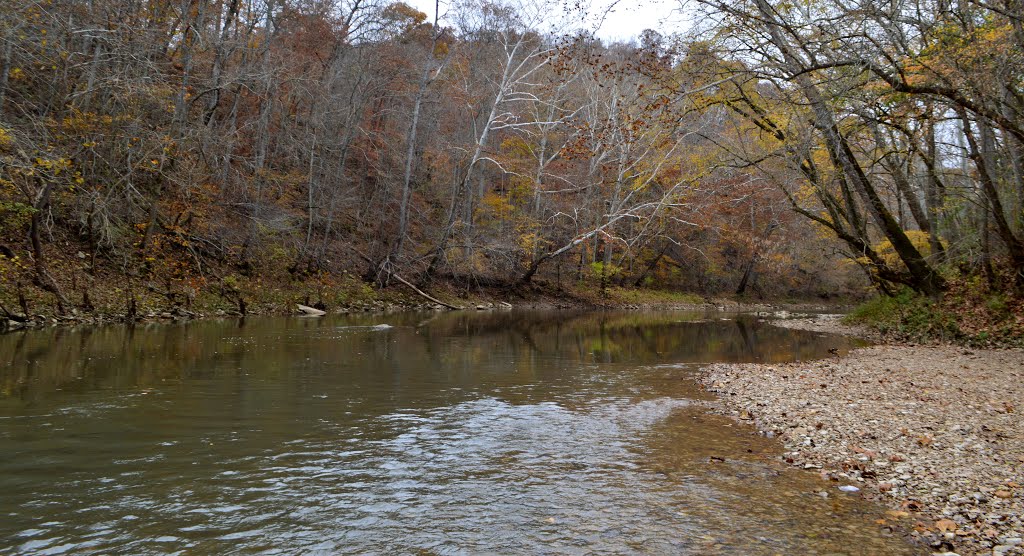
<point>526,433</point>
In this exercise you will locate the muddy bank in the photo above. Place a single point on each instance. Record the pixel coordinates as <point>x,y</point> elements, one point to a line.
<point>935,433</point>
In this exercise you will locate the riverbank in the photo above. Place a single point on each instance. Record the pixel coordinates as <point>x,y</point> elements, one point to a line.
<point>935,433</point>
<point>345,295</point>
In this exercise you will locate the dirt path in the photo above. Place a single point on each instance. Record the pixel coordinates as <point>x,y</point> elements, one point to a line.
<point>935,433</point>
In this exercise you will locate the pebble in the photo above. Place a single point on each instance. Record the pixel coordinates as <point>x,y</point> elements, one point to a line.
<point>948,451</point>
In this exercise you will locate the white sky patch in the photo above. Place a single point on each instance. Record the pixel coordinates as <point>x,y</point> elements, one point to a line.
<point>620,20</point>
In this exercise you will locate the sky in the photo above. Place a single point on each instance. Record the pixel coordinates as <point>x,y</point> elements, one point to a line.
<point>626,20</point>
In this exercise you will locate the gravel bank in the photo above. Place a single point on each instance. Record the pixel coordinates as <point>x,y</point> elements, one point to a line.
<point>831,324</point>
<point>935,433</point>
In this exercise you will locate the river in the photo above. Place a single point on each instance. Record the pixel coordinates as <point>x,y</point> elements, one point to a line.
<point>455,433</point>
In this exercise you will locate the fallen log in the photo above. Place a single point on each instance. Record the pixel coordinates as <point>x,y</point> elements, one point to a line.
<point>421,293</point>
<point>424,294</point>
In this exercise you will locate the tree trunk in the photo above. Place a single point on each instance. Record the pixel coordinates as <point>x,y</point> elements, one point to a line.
<point>982,157</point>
<point>218,63</point>
<point>925,279</point>
<point>5,67</point>
<point>935,190</point>
<point>43,278</point>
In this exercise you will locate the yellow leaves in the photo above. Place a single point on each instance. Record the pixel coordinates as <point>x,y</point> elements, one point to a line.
<point>495,206</point>
<point>640,181</point>
<point>954,54</point>
<point>441,50</point>
<point>516,146</point>
<point>152,166</point>
<point>87,122</point>
<point>6,139</point>
<point>887,252</point>
<point>530,241</point>
<point>9,266</point>
<point>16,74</point>
<point>55,166</point>
<point>804,193</point>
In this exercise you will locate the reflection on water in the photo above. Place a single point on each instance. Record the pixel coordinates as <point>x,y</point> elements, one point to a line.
<point>455,433</point>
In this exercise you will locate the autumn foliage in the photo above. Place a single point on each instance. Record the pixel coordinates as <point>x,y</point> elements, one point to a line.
<point>187,148</point>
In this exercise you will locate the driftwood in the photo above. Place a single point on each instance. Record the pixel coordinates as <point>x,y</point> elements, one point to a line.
<point>310,311</point>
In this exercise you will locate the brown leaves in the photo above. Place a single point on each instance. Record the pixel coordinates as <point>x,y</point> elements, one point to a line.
<point>911,505</point>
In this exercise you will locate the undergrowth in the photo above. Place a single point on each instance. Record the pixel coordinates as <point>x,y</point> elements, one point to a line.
<point>652,297</point>
<point>969,313</point>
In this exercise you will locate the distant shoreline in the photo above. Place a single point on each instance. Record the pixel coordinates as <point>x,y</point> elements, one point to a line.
<point>153,308</point>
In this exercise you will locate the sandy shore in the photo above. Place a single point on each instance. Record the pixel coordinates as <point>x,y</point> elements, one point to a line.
<point>935,433</point>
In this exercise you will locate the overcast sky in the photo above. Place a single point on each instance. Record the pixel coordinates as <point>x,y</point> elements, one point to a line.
<point>627,19</point>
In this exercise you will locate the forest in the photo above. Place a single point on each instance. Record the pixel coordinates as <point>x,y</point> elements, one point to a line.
<point>183,150</point>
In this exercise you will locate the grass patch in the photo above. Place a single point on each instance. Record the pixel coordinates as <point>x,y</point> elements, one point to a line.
<point>652,297</point>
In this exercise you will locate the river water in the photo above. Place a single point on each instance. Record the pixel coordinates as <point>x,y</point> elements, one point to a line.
<point>508,433</point>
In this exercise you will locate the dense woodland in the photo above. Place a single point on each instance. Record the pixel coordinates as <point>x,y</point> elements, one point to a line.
<point>808,148</point>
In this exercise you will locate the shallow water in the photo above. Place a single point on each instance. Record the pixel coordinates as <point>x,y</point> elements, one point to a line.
<point>530,433</point>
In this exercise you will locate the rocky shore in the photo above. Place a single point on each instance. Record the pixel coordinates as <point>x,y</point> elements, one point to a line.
<point>935,433</point>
